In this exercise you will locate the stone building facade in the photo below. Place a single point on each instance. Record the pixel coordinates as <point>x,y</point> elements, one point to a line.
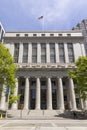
<point>43,60</point>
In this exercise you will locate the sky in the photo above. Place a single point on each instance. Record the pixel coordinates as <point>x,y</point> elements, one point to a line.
<point>22,15</point>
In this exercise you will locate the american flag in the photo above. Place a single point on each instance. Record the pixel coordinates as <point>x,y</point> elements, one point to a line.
<point>41,17</point>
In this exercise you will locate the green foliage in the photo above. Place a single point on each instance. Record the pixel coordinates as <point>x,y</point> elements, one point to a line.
<point>7,71</point>
<point>80,77</point>
<point>7,67</point>
<point>13,98</point>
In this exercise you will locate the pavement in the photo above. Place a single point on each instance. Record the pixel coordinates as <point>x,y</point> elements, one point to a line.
<point>41,120</point>
<point>49,124</point>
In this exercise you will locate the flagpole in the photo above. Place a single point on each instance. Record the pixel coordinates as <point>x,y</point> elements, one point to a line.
<point>42,22</point>
<point>43,25</point>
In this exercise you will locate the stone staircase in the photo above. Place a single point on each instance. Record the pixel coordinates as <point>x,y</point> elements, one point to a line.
<point>36,114</point>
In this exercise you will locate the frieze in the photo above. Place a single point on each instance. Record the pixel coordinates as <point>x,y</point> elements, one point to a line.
<point>42,73</point>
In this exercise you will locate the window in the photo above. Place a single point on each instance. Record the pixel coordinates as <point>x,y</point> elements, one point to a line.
<point>61,53</point>
<point>25,52</point>
<point>43,53</point>
<point>26,35</point>
<point>17,35</point>
<point>52,52</point>
<point>51,34</point>
<point>68,35</point>
<point>34,52</point>
<point>70,52</point>
<point>60,34</point>
<point>43,34</point>
<point>43,83</point>
<point>16,52</point>
<point>53,83</point>
<point>34,35</point>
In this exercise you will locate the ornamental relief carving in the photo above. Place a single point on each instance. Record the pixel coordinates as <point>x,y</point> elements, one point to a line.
<point>42,73</point>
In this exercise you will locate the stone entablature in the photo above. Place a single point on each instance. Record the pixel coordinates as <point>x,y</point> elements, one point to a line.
<point>49,65</point>
<point>42,73</point>
<point>68,33</point>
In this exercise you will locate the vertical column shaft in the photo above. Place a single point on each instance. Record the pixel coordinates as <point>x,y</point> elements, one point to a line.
<point>49,94</point>
<point>72,94</point>
<point>66,53</point>
<point>20,53</point>
<point>60,96</point>
<point>2,104</point>
<point>15,104</point>
<point>30,53</point>
<point>37,93</point>
<point>26,95</point>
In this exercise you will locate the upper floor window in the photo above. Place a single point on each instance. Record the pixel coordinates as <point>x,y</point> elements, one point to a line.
<point>34,52</point>
<point>43,53</point>
<point>43,34</point>
<point>25,52</point>
<point>60,34</point>
<point>16,52</point>
<point>34,35</point>
<point>51,34</point>
<point>70,52</point>
<point>61,53</point>
<point>52,52</point>
<point>68,35</point>
<point>26,35</point>
<point>17,35</point>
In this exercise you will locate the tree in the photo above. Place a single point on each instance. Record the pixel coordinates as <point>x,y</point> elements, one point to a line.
<point>79,75</point>
<point>7,72</point>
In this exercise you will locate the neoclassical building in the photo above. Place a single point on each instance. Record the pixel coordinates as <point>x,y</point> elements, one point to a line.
<point>43,60</point>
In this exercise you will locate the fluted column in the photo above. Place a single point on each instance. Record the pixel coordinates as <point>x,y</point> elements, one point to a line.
<point>49,94</point>
<point>26,95</point>
<point>66,53</point>
<point>30,53</point>
<point>2,104</point>
<point>20,53</point>
<point>72,94</point>
<point>37,94</point>
<point>12,49</point>
<point>60,96</point>
<point>15,104</point>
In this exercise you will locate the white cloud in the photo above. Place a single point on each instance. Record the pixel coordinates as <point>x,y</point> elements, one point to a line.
<point>53,10</point>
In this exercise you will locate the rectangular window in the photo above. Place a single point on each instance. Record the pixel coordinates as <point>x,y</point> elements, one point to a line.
<point>16,52</point>
<point>25,52</point>
<point>26,35</point>
<point>34,52</point>
<point>61,52</point>
<point>70,52</point>
<point>52,52</point>
<point>43,53</point>
<point>17,35</point>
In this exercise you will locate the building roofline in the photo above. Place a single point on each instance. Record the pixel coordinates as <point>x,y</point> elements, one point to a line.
<point>45,31</point>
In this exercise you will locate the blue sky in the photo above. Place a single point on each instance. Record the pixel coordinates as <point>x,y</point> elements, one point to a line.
<point>57,14</point>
